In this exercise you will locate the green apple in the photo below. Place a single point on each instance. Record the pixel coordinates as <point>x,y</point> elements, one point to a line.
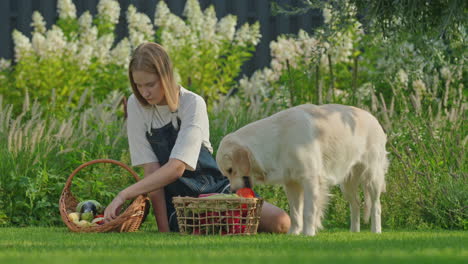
<point>88,216</point>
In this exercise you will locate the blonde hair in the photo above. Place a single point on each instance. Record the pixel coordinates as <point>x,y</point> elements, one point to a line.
<point>151,57</point>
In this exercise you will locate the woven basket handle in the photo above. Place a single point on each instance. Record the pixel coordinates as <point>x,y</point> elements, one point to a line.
<point>70,178</point>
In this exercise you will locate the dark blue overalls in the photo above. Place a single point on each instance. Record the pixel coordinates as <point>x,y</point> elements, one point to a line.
<point>205,179</point>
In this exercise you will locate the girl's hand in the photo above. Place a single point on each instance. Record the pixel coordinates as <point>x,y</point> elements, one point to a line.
<point>113,209</point>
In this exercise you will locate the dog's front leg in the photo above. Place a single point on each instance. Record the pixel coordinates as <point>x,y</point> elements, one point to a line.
<point>312,207</point>
<point>295,195</point>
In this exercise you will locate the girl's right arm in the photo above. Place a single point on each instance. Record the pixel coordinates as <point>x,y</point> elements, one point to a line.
<point>158,200</point>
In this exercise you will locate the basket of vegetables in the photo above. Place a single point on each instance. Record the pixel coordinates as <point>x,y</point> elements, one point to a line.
<point>87,216</point>
<point>218,214</point>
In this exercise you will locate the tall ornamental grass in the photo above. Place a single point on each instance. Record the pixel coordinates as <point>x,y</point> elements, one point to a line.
<point>38,154</point>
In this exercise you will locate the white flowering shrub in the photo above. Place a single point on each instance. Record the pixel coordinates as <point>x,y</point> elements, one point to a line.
<point>75,56</point>
<point>79,54</point>
<point>5,68</point>
<point>341,64</point>
<point>309,68</point>
<point>207,53</point>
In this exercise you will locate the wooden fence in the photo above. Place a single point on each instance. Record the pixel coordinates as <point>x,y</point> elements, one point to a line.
<point>16,14</point>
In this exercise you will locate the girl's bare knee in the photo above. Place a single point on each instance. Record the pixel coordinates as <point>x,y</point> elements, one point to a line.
<point>283,223</point>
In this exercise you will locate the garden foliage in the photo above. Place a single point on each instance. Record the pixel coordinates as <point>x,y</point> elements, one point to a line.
<point>416,91</point>
<point>79,55</point>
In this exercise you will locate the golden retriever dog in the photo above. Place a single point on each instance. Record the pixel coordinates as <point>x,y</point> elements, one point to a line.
<point>307,149</point>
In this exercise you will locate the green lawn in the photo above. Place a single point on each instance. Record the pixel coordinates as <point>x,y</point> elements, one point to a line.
<point>58,245</point>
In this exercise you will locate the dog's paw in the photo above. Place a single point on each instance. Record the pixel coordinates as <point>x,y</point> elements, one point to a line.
<point>310,231</point>
<point>294,231</point>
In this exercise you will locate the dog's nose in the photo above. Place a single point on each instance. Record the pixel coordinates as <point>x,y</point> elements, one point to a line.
<point>246,181</point>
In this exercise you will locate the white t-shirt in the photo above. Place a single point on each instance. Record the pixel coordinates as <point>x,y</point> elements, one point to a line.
<point>193,132</point>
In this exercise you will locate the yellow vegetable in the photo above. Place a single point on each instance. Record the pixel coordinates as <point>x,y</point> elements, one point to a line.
<point>74,217</point>
<point>84,223</point>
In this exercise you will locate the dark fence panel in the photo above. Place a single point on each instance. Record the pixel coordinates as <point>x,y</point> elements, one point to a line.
<point>5,33</point>
<point>17,14</point>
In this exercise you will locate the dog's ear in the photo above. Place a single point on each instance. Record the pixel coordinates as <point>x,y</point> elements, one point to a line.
<point>241,160</point>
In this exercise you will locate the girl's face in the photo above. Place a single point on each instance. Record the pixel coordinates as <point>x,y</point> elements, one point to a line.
<point>149,86</point>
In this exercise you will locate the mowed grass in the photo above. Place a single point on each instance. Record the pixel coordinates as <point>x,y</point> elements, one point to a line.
<point>58,245</point>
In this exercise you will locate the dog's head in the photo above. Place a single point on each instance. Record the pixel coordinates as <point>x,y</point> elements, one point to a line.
<point>235,162</point>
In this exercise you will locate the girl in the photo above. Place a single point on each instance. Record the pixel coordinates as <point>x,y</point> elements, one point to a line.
<point>168,135</point>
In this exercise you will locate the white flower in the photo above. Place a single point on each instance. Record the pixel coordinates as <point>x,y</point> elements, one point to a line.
<point>285,51</point>
<point>419,86</point>
<point>209,25</point>
<point>161,14</point>
<point>177,27</point>
<point>38,23</point>
<point>85,21</point>
<point>342,47</point>
<point>66,9</point>
<point>102,47</point>
<point>327,15</point>
<point>446,73</point>
<point>170,41</point>
<point>402,77</point>
<point>269,75</point>
<point>4,64</point>
<point>276,65</point>
<point>120,55</point>
<point>309,45</point>
<point>84,56</point>
<point>258,86</point>
<point>248,34</point>
<point>109,9</point>
<point>22,45</point>
<point>55,41</point>
<point>136,38</point>
<point>175,33</point>
<point>364,92</point>
<point>324,60</point>
<point>226,27</point>
<point>194,15</point>
<point>71,48</point>
<point>140,27</point>
<point>39,44</point>
<point>341,93</point>
<point>89,36</point>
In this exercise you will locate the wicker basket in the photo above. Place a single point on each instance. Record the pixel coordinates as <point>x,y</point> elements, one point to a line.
<point>220,216</point>
<point>129,221</point>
